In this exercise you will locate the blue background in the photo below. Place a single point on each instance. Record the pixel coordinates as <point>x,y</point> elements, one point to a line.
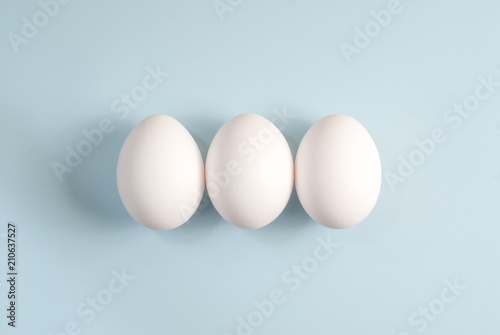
<point>441,224</point>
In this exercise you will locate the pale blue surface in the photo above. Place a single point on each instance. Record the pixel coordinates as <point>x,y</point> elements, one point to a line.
<point>441,224</point>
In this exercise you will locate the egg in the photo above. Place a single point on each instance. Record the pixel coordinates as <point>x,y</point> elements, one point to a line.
<point>338,172</point>
<point>249,171</point>
<point>160,173</point>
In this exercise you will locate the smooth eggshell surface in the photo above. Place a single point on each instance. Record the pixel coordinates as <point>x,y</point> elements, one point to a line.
<point>338,172</point>
<point>160,173</point>
<point>249,171</point>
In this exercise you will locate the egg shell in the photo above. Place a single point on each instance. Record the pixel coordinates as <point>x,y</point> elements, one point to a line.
<point>338,172</point>
<point>249,171</point>
<point>160,173</point>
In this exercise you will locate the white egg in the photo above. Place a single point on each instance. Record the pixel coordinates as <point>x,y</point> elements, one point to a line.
<point>338,172</point>
<point>249,171</point>
<point>160,173</point>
